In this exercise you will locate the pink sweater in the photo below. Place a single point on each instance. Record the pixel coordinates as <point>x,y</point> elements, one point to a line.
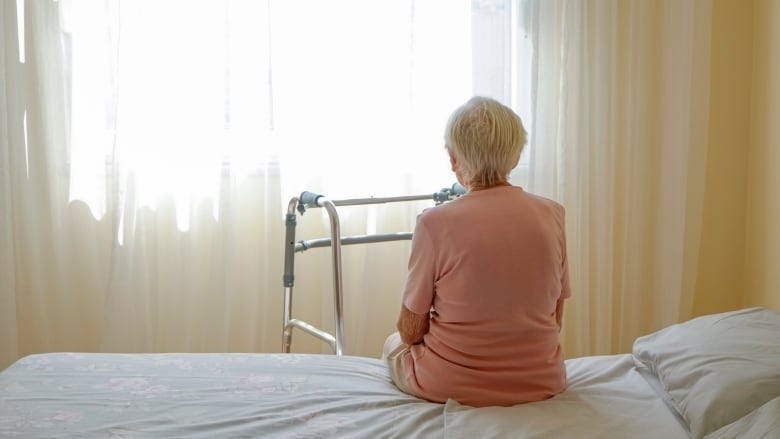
<point>490,266</point>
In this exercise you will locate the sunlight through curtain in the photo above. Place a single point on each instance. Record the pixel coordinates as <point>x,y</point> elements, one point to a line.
<point>179,131</point>
<point>170,96</point>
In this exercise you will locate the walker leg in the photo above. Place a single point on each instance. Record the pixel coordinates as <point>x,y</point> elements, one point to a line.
<point>289,273</point>
<point>287,331</point>
<point>338,302</point>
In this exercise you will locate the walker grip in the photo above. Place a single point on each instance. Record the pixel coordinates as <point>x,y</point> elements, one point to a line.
<point>310,199</point>
<point>449,193</point>
<point>458,189</point>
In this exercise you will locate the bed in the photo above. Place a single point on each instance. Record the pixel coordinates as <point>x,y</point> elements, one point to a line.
<point>716,376</point>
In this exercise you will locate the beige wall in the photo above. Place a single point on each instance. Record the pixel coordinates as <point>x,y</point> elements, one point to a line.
<point>720,279</point>
<point>739,257</point>
<point>762,262</point>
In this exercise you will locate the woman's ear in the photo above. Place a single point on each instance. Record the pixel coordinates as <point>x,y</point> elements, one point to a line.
<point>456,168</point>
<point>453,161</point>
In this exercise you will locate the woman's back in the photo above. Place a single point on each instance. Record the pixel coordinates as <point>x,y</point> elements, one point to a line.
<point>492,263</point>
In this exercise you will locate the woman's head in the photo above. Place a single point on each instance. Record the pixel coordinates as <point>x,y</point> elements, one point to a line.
<point>484,139</point>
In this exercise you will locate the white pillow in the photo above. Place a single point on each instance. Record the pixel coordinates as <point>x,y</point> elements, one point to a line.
<point>716,368</point>
<point>763,422</point>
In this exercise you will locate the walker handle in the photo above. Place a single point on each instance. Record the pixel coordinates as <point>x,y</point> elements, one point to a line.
<point>310,199</point>
<point>449,193</point>
<point>458,189</point>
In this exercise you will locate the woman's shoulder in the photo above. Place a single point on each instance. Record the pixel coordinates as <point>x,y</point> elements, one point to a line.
<point>489,199</point>
<point>434,213</point>
<point>544,201</point>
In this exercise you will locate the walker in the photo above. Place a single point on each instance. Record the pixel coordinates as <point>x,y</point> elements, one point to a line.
<point>312,200</point>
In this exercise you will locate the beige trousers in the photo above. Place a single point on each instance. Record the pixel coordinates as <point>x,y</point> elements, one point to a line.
<point>393,354</point>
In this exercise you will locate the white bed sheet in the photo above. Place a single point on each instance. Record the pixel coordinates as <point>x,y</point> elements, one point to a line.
<point>302,396</point>
<point>208,396</point>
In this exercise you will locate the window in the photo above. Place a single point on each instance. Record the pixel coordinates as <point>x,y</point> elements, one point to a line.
<point>170,96</point>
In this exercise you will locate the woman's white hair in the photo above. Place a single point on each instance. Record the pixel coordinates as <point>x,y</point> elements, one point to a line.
<point>487,138</point>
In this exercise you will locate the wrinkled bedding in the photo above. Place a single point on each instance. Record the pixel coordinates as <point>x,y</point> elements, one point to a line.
<point>301,396</point>
<point>763,422</point>
<point>606,397</point>
<point>713,376</point>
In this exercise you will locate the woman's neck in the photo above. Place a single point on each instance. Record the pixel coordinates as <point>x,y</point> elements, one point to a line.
<point>480,188</point>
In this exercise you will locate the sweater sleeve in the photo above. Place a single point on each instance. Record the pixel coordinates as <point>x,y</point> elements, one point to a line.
<point>412,327</point>
<point>420,281</point>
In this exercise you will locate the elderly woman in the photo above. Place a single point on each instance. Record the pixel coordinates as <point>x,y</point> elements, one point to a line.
<point>483,301</point>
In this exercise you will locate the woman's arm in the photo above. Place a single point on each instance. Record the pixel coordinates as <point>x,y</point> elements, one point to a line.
<point>412,327</point>
<point>420,287</point>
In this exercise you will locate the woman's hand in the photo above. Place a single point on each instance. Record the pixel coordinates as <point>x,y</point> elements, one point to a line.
<point>412,327</point>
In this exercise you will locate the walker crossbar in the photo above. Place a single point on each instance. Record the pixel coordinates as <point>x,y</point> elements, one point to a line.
<point>311,199</point>
<point>349,240</point>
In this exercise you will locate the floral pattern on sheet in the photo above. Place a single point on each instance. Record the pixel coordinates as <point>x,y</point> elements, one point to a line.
<point>207,395</point>
<point>134,386</point>
<point>59,418</point>
<point>323,425</point>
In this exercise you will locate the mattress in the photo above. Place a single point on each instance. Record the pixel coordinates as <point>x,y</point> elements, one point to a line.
<point>302,396</point>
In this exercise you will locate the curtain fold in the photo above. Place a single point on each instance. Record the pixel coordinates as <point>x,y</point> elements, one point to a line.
<point>9,66</point>
<point>51,270</point>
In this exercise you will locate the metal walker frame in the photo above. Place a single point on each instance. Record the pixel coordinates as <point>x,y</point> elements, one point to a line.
<point>313,200</point>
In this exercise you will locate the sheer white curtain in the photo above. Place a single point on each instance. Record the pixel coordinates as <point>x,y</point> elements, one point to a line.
<point>52,257</point>
<point>184,90</point>
<point>620,106</point>
<point>215,114</point>
<point>147,151</point>
<point>148,161</point>
<point>10,67</point>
